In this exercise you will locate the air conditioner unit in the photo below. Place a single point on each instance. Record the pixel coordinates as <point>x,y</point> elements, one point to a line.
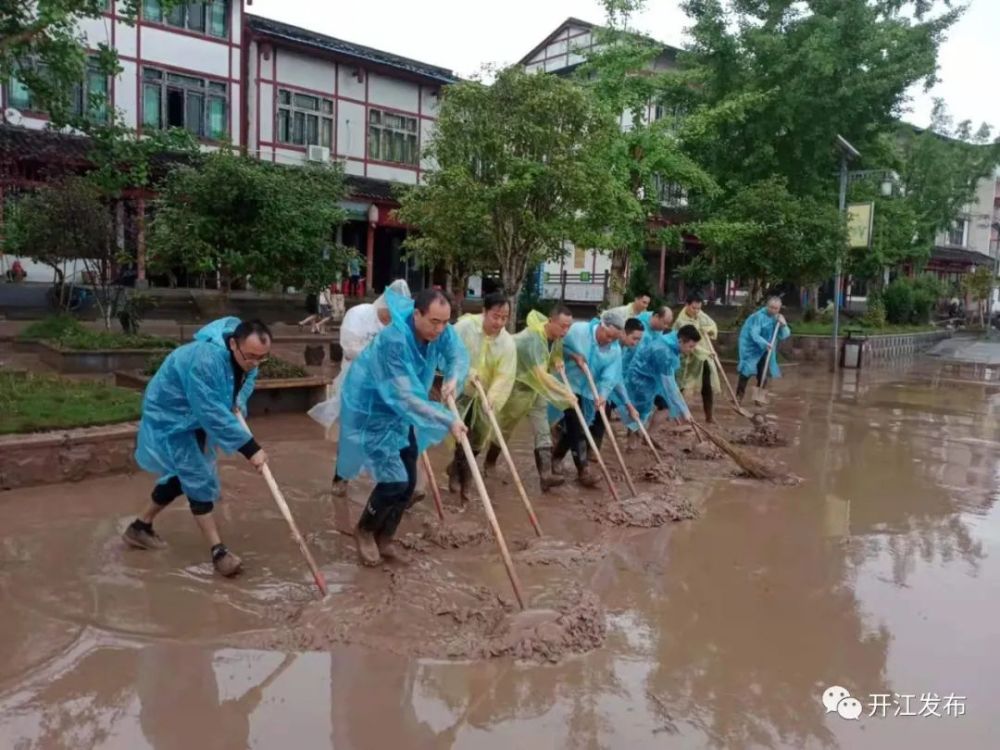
<point>318,153</point>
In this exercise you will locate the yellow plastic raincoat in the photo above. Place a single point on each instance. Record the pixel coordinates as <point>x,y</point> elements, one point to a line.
<point>536,361</point>
<point>493,359</point>
<point>692,364</point>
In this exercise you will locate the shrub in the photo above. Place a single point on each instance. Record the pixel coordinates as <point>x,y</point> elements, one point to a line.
<point>273,368</point>
<point>50,328</point>
<point>898,301</point>
<point>875,316</point>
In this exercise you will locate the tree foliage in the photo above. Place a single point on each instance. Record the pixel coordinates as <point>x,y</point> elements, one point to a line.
<point>765,235</point>
<point>237,216</point>
<point>520,169</point>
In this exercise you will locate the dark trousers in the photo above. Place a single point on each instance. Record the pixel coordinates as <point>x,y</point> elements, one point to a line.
<point>707,394</point>
<point>352,286</point>
<point>461,465</point>
<point>388,500</point>
<point>573,438</point>
<point>741,386</point>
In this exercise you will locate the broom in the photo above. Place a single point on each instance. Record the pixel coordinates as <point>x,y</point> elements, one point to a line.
<point>753,467</point>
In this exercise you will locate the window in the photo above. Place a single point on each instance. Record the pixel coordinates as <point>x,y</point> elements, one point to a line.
<point>171,100</point>
<point>90,98</point>
<point>956,235</point>
<point>392,137</point>
<point>304,120</point>
<point>206,18</point>
<point>579,258</point>
<point>669,194</point>
<point>19,95</point>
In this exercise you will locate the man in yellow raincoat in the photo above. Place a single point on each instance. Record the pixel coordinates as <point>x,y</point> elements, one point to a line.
<point>493,360</point>
<point>635,308</point>
<point>539,355</point>
<point>698,367</point>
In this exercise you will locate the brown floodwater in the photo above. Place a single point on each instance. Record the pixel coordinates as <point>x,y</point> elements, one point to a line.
<point>878,573</point>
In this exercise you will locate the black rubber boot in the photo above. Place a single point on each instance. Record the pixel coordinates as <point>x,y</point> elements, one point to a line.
<point>492,456</point>
<point>543,462</point>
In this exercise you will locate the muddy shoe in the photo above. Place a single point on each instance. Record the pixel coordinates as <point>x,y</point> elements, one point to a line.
<point>454,483</point>
<point>339,487</point>
<point>557,465</point>
<point>390,549</point>
<point>416,497</point>
<point>226,563</point>
<point>141,536</point>
<point>587,476</point>
<point>492,456</point>
<point>367,548</point>
<point>546,477</point>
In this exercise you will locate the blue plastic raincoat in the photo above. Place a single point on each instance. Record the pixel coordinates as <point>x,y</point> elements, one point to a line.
<point>193,390</point>
<point>605,363</point>
<point>754,338</point>
<point>386,393</point>
<point>652,373</point>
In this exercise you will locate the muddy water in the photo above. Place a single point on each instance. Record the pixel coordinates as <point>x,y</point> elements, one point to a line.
<point>878,573</point>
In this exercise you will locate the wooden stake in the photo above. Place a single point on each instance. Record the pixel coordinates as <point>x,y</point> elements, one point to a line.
<point>488,508</point>
<point>506,454</point>
<point>607,429</point>
<point>432,481</point>
<point>590,439</point>
<point>279,499</point>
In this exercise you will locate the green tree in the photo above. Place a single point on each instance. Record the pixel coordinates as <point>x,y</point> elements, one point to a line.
<point>520,170</point>
<point>978,285</point>
<point>765,235</point>
<point>646,156</point>
<point>65,221</point>
<point>237,216</point>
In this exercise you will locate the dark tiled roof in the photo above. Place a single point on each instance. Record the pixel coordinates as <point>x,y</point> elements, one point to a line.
<point>959,255</point>
<point>27,144</point>
<point>370,188</point>
<point>280,30</point>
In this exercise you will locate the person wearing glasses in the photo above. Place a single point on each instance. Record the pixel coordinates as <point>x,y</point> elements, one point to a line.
<point>387,418</point>
<point>190,410</point>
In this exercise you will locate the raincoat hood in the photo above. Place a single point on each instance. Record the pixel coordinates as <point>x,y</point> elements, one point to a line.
<point>216,331</point>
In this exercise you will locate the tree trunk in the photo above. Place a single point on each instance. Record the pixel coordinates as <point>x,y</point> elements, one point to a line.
<point>512,281</point>
<point>619,266</point>
<point>459,283</point>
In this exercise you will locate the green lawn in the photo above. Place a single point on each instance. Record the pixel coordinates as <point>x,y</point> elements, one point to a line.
<point>67,332</point>
<point>33,403</point>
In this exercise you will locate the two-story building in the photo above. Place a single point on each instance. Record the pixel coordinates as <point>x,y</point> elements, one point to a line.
<point>316,98</point>
<point>282,93</point>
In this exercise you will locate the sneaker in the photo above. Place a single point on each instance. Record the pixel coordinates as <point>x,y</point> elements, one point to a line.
<point>368,550</point>
<point>225,562</point>
<point>142,536</point>
<point>339,488</point>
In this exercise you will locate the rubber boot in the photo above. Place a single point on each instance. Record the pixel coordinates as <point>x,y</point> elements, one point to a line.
<point>454,484</point>
<point>385,541</point>
<point>464,472</point>
<point>543,462</point>
<point>708,402</point>
<point>368,550</point>
<point>492,455</point>
<point>585,473</point>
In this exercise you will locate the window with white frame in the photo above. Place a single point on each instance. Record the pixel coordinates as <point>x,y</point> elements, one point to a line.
<point>392,137</point>
<point>205,18</point>
<point>304,119</point>
<point>956,235</point>
<point>172,100</point>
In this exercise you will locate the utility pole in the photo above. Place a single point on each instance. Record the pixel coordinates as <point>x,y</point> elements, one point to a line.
<point>847,151</point>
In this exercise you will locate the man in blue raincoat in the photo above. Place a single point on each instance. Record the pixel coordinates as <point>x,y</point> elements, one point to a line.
<point>596,344</point>
<point>189,411</point>
<point>387,418</point>
<point>755,343</point>
<point>653,321</point>
<point>651,378</point>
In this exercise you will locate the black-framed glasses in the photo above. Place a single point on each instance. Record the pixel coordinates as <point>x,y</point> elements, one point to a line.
<point>254,358</point>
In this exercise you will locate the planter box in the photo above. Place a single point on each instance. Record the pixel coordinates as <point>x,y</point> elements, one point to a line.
<point>78,361</point>
<point>277,396</point>
<point>66,455</point>
<point>879,348</point>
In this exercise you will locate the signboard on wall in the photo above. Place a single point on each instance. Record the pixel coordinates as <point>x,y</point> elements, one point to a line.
<point>860,217</point>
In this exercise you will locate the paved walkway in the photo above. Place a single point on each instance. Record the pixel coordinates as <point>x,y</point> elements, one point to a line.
<point>968,349</point>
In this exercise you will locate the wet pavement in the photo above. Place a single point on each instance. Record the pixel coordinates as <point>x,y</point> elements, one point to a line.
<point>879,574</point>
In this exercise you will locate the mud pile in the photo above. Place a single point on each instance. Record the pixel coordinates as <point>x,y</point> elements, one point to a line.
<point>425,615</point>
<point>456,532</point>
<point>763,434</point>
<point>575,624</point>
<point>659,474</point>
<point>648,510</point>
<point>705,451</point>
<point>549,551</point>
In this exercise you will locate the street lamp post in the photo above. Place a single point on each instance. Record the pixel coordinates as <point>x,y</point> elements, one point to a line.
<point>847,151</point>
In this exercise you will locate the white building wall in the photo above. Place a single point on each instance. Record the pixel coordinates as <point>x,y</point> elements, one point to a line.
<point>300,71</point>
<point>348,84</point>
<point>351,125</point>
<point>393,93</point>
<point>393,174</point>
